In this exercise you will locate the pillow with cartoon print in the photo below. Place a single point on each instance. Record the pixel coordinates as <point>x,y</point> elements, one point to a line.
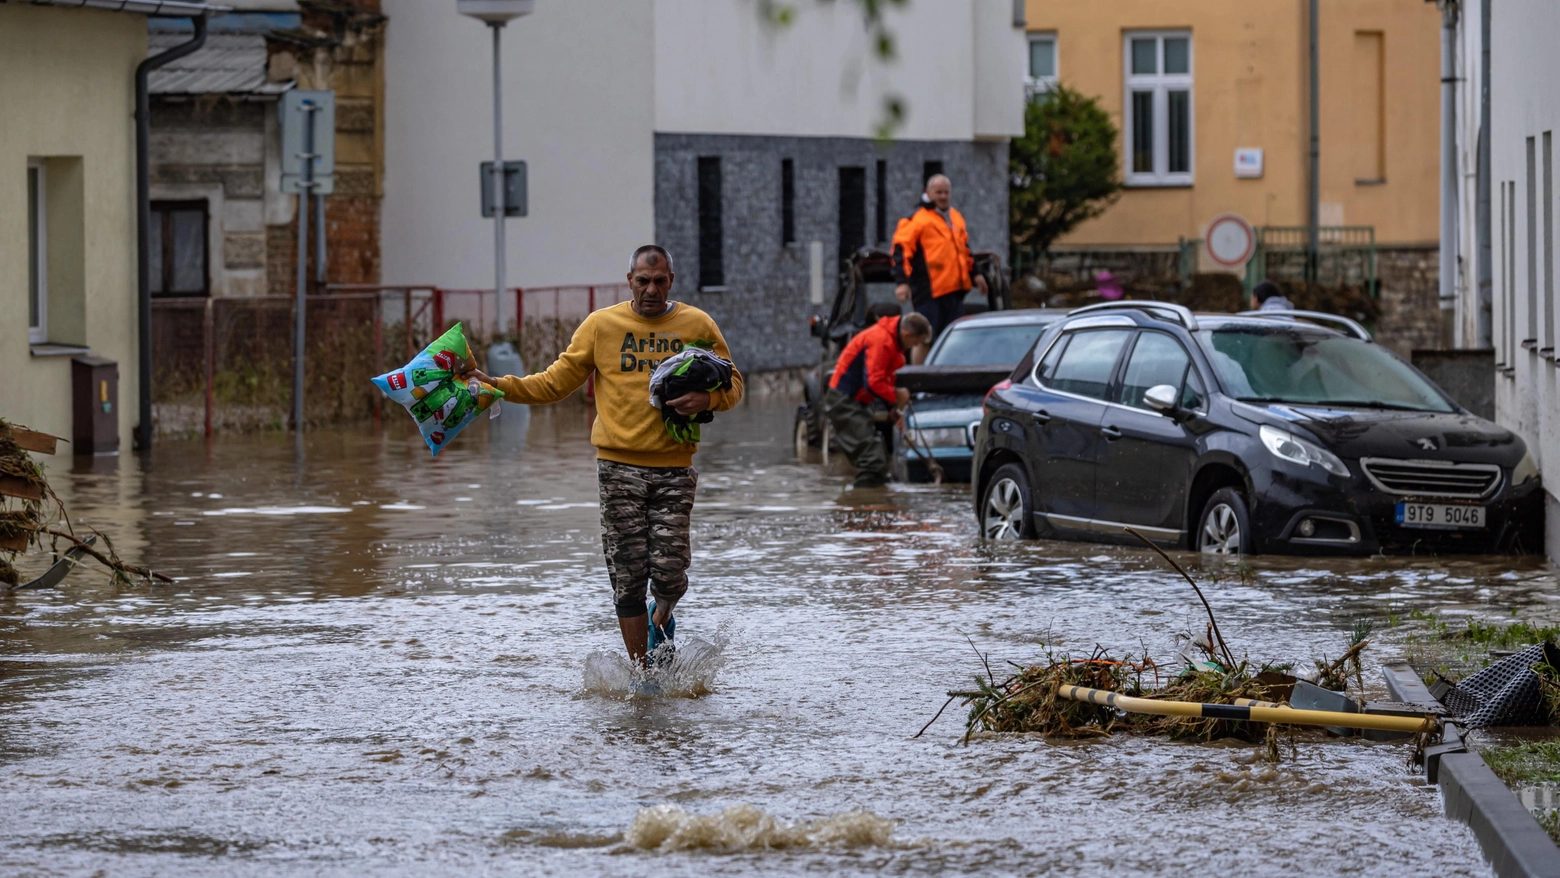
<point>432,392</point>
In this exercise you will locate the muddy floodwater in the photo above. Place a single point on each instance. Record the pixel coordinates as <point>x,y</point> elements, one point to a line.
<point>375,662</point>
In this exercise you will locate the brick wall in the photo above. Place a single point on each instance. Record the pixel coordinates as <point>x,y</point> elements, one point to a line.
<point>351,245</point>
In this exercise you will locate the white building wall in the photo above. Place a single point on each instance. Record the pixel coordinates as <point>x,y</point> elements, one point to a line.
<point>1523,104</point>
<point>722,68</point>
<point>588,84</point>
<point>1468,87</point>
<point>1001,47</point>
<point>578,108</point>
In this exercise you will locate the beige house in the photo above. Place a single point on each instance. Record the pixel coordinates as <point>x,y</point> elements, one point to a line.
<point>1190,83</point>
<point>68,207</point>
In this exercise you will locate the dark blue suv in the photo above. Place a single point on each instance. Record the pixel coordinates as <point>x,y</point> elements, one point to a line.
<point>1273,431</point>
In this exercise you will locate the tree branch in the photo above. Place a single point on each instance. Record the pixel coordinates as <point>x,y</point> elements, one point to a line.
<point>107,561</point>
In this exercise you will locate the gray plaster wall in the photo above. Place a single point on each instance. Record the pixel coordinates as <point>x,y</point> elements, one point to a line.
<point>764,307</point>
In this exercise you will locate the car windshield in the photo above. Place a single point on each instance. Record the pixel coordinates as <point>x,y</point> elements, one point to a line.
<point>1300,364</point>
<point>986,345</point>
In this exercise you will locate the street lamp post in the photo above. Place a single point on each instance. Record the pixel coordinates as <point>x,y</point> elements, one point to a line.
<point>497,13</point>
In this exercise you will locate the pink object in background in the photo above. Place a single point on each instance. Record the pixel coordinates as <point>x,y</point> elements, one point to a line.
<point>1109,287</point>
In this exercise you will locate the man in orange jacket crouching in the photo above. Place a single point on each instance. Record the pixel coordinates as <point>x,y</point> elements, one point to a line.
<point>864,375</point>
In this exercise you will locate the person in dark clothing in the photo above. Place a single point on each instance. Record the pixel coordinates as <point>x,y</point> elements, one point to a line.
<point>1266,296</point>
<point>864,376</point>
<point>932,263</point>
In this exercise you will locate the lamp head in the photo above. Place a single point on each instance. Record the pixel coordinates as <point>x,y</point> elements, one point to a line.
<point>495,11</point>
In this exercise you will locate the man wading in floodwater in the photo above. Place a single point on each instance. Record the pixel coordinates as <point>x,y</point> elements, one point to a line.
<point>647,479</point>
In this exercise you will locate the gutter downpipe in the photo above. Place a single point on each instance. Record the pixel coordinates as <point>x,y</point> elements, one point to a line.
<point>143,205</point>
<point>1484,314</point>
<point>1448,263</point>
<point>1314,196</point>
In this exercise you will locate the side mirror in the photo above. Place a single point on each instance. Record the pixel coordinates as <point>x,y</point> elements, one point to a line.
<point>1162,398</point>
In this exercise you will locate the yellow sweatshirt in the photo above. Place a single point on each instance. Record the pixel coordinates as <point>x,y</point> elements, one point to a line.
<point>623,348</point>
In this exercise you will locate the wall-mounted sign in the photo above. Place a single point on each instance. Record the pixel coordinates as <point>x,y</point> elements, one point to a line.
<point>1230,240</point>
<point>1248,162</point>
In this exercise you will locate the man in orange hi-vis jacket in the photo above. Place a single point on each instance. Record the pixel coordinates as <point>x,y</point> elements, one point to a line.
<point>933,266</point>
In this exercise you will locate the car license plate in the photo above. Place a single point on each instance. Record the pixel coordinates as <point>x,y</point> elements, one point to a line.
<point>1440,515</point>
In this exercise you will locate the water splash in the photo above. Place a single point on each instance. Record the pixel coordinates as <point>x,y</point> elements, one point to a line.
<point>690,674</point>
<point>668,828</point>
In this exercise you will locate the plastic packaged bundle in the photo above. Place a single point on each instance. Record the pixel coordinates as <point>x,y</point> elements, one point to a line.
<point>432,392</point>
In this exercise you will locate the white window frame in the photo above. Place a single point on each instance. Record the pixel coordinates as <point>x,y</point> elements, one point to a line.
<point>1037,85</point>
<point>39,334</point>
<point>1160,84</point>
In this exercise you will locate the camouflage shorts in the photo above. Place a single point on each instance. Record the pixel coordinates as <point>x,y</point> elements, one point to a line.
<point>645,514</point>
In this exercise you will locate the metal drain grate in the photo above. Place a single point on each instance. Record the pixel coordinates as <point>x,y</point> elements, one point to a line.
<point>1507,693</point>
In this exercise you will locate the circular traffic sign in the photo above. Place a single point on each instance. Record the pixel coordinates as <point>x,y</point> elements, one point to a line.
<point>1231,240</point>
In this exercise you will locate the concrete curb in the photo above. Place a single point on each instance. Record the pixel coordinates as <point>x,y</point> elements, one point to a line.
<point>1513,842</point>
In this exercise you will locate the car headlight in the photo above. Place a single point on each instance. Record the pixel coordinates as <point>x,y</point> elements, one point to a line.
<point>1292,448</point>
<point>941,437</point>
<point>1525,471</point>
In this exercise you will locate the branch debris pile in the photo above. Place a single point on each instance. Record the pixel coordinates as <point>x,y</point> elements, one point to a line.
<point>31,514</point>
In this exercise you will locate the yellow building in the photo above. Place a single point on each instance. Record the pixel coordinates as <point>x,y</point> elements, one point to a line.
<point>1191,82</point>
<point>67,205</point>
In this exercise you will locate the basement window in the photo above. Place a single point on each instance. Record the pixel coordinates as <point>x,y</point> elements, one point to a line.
<point>178,248</point>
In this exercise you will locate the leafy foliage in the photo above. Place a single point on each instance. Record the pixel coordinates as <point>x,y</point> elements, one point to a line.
<point>1064,170</point>
<point>781,15</point>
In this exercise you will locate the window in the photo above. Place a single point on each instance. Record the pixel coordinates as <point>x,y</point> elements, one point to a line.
<point>853,211</point>
<point>1041,75</point>
<point>1193,396</point>
<point>178,248</point>
<point>1159,124</point>
<point>1531,329</point>
<point>985,345</point>
<point>1046,371</point>
<point>37,258</point>
<point>1156,359</point>
<point>1311,366</point>
<point>1369,94</point>
<point>1511,272</point>
<point>930,169</point>
<point>712,268</point>
<point>787,202</point>
<point>1548,315</point>
<point>1085,367</point>
<point>882,201</point>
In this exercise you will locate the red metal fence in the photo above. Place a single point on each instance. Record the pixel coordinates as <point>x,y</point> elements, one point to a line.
<point>227,362</point>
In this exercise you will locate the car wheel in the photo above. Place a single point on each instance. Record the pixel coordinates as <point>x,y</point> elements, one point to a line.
<point>1007,509</point>
<point>1225,526</point>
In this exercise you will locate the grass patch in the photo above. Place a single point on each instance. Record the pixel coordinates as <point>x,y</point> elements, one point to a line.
<point>1550,820</point>
<point>1459,648</point>
<point>1530,763</point>
<point>1490,635</point>
<point>1527,762</point>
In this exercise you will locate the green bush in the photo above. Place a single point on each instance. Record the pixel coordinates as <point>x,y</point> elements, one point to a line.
<point>1064,170</point>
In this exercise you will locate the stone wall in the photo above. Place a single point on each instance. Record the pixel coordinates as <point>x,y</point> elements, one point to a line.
<point>764,306</point>
<point>1410,298</point>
